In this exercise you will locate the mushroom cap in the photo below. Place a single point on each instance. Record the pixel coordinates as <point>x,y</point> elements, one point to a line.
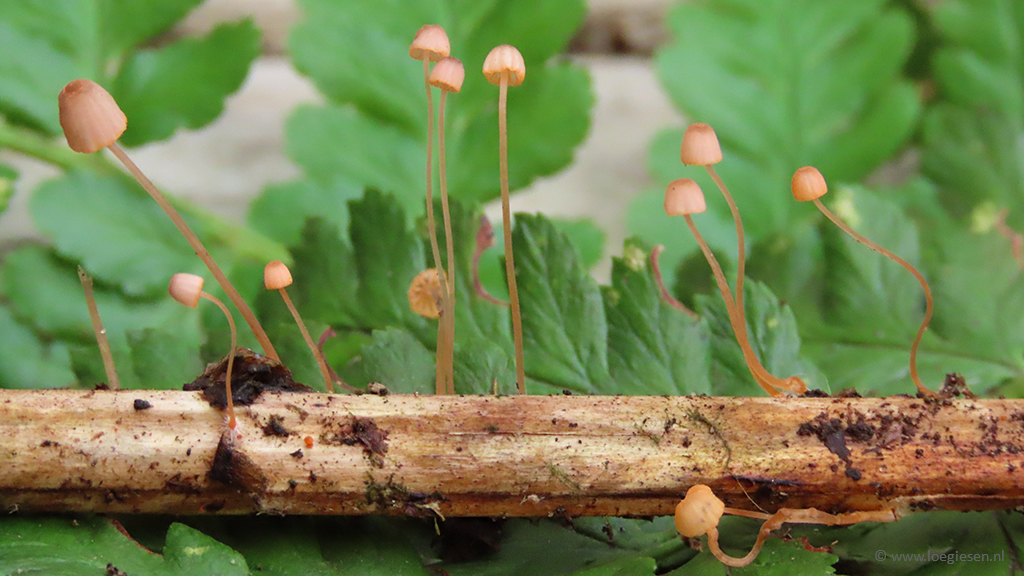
<point>448,74</point>
<point>90,118</point>
<point>186,288</point>
<point>808,184</point>
<point>430,41</point>
<point>276,275</point>
<point>684,196</point>
<point>698,512</point>
<point>502,59</point>
<point>425,294</point>
<point>700,146</point>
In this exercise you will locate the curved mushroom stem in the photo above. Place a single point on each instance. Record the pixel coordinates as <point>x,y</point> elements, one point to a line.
<point>667,296</point>
<point>449,305</point>
<point>232,423</point>
<point>792,383</point>
<point>506,220</point>
<point>769,383</point>
<point>924,284</point>
<point>441,370</point>
<point>741,246</point>
<point>101,334</point>
<point>801,516</point>
<point>324,370</point>
<point>200,251</point>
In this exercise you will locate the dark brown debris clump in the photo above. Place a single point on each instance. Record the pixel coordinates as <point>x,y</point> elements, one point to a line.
<point>232,467</point>
<point>355,430</point>
<point>252,375</point>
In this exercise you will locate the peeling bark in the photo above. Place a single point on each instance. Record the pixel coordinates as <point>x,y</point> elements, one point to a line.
<point>503,456</point>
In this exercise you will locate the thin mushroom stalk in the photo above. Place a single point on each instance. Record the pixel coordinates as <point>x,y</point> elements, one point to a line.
<point>276,276</point>
<point>809,184</point>
<point>700,147</point>
<point>187,289</point>
<point>683,197</point>
<point>700,512</point>
<point>448,76</point>
<point>504,67</point>
<point>101,333</point>
<point>431,45</point>
<point>91,121</point>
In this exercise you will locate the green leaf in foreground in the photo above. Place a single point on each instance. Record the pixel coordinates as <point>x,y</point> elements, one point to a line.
<point>62,546</point>
<point>652,347</point>
<point>565,335</point>
<point>526,548</point>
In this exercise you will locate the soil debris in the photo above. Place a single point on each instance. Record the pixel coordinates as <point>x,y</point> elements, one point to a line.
<point>141,404</point>
<point>275,427</point>
<point>252,375</point>
<point>232,467</point>
<point>355,430</point>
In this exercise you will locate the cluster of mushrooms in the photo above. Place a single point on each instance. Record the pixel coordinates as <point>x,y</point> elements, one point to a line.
<point>92,120</point>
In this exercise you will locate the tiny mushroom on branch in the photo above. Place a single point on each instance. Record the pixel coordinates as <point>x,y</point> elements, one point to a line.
<point>683,197</point>
<point>809,185</point>
<point>276,276</point>
<point>425,299</point>
<point>700,511</point>
<point>504,67</point>
<point>431,45</point>
<point>91,121</point>
<point>448,75</point>
<point>187,289</point>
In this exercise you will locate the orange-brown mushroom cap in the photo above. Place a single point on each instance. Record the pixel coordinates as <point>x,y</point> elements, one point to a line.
<point>808,184</point>
<point>89,116</point>
<point>448,74</point>
<point>700,146</point>
<point>505,59</point>
<point>684,196</point>
<point>430,41</point>
<point>276,275</point>
<point>425,294</point>
<point>186,288</point>
<point>698,512</point>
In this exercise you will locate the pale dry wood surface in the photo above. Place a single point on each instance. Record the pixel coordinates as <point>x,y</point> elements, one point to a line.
<point>504,456</point>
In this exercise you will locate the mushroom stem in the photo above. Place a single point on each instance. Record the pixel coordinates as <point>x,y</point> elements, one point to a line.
<point>794,516</point>
<point>793,383</point>
<point>924,285</point>
<point>101,334</point>
<point>667,296</point>
<point>741,247</point>
<point>441,370</point>
<point>324,370</point>
<point>232,423</point>
<point>449,305</point>
<point>506,221</point>
<point>769,383</point>
<point>200,251</point>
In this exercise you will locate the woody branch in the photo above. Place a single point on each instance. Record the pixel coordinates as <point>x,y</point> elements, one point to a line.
<point>503,456</point>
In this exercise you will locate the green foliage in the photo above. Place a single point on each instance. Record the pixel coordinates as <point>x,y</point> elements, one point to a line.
<point>65,546</point>
<point>784,83</point>
<point>377,99</point>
